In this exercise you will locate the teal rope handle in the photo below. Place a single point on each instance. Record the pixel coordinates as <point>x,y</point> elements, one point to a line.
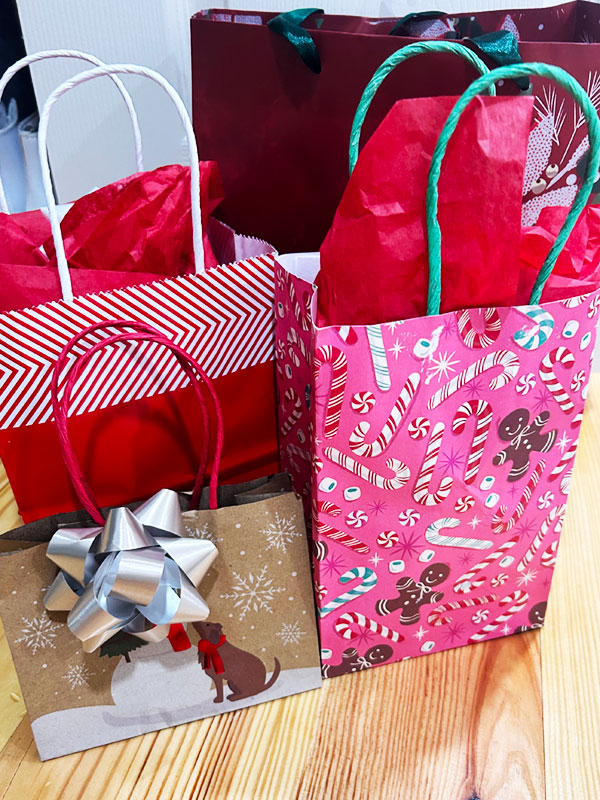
<point>419,48</point>
<point>289,25</point>
<point>434,236</point>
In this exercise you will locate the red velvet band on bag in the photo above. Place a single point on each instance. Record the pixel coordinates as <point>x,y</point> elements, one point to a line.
<point>191,367</point>
<point>212,659</point>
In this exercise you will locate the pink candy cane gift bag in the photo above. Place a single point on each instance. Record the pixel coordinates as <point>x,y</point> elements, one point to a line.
<point>434,452</point>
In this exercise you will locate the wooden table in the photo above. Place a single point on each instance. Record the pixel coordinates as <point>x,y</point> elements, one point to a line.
<point>510,719</point>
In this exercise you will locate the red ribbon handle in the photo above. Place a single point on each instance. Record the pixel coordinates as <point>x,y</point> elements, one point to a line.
<point>198,378</point>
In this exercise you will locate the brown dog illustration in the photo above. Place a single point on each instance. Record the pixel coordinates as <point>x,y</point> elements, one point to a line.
<point>222,661</point>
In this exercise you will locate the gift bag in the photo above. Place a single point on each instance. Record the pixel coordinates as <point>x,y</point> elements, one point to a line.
<point>223,315</point>
<point>233,569</point>
<point>436,451</point>
<point>297,79</point>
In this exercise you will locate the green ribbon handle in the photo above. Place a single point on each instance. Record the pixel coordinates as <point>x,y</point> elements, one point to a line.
<point>567,82</point>
<point>289,25</point>
<point>419,48</point>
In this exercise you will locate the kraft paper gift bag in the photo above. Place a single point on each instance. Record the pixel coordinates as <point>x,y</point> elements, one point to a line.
<point>298,76</point>
<point>232,569</point>
<point>222,314</point>
<point>435,452</point>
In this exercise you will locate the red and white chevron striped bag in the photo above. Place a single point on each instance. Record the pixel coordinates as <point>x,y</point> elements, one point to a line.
<point>222,316</point>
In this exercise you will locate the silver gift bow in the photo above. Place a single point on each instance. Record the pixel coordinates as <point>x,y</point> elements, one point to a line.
<point>137,574</point>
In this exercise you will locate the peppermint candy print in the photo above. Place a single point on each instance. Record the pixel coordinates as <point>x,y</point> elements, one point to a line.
<point>409,517</point>
<point>362,402</point>
<point>419,428</point>
<point>578,381</point>
<point>356,519</point>
<point>464,503</point>
<point>525,383</point>
<point>387,538</point>
<point>545,500</point>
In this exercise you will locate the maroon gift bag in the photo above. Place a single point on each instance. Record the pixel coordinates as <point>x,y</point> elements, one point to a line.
<point>280,130</point>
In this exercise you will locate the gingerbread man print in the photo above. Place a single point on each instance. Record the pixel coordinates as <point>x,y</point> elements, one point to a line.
<point>524,438</point>
<point>414,594</point>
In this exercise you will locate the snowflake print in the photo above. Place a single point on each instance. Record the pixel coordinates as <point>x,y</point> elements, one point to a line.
<point>363,636</point>
<point>543,399</point>
<point>452,461</point>
<point>442,366</point>
<point>281,532</point>
<point>454,632</point>
<point>253,593</point>
<point>290,633</point>
<point>525,528</point>
<point>474,522</point>
<point>333,565</point>
<point>514,489</point>
<point>203,532</point>
<point>377,507</point>
<point>391,326</point>
<point>527,577</point>
<point>78,675</point>
<point>38,632</point>
<point>474,388</point>
<point>563,442</point>
<point>465,559</point>
<point>407,545</point>
<point>450,326</point>
<point>375,559</point>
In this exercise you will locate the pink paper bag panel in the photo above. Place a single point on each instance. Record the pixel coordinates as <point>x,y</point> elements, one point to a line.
<point>435,456</point>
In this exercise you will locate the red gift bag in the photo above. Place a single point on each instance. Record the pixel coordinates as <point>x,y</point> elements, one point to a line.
<point>285,168</point>
<point>222,315</point>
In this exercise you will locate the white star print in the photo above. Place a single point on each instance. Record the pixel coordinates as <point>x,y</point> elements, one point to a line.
<point>474,522</point>
<point>420,633</point>
<point>397,348</point>
<point>375,559</point>
<point>527,577</point>
<point>563,442</point>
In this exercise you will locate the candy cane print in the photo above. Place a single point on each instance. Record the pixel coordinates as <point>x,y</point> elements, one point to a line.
<point>515,602</point>
<point>324,529</point>
<point>473,578</point>
<point>391,425</point>
<point>327,354</point>
<point>343,627</point>
<point>476,339</point>
<point>499,525</point>
<point>530,338</point>
<point>439,615</point>
<point>368,581</point>
<point>482,411</point>
<point>299,315</point>
<point>573,302</point>
<point>569,455</point>
<point>421,491</point>
<point>292,396</point>
<point>433,536</point>
<point>506,359</point>
<point>379,357</point>
<point>560,355</point>
<point>296,343</point>
<point>399,468</point>
<point>555,521</point>
<point>548,558</point>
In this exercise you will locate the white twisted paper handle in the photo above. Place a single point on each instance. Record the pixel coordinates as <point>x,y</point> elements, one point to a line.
<point>82,77</point>
<point>42,55</point>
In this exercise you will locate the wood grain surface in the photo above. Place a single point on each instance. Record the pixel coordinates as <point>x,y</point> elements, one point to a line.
<point>513,719</point>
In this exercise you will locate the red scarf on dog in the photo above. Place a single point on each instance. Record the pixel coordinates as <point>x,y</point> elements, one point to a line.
<point>211,654</point>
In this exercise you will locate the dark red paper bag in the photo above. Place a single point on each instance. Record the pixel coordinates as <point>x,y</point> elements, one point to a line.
<point>285,167</point>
